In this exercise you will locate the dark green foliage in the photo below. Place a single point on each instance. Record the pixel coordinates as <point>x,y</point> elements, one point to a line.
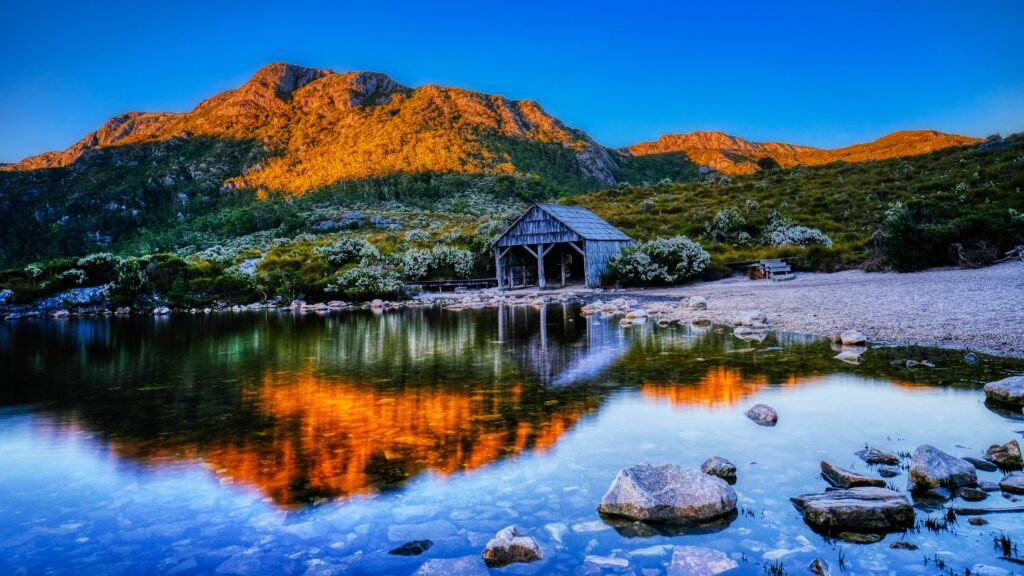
<point>653,168</point>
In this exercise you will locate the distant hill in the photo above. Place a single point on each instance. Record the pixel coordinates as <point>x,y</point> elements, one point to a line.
<point>734,155</point>
<point>319,127</point>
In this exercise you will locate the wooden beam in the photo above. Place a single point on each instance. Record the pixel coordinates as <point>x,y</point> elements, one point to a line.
<point>548,249</point>
<point>530,250</point>
<point>563,269</point>
<point>497,267</point>
<point>578,249</point>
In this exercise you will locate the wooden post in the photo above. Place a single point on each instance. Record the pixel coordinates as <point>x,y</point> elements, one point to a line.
<point>563,268</point>
<point>497,265</point>
<point>540,265</point>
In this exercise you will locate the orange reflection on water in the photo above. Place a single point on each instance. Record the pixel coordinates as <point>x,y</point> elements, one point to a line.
<point>334,438</point>
<point>720,386</point>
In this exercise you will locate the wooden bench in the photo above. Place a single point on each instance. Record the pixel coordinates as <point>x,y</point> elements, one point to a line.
<point>771,269</point>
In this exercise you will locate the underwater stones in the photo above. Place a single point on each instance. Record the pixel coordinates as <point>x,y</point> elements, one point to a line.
<point>931,468</point>
<point>667,493</point>
<point>852,337</point>
<point>971,494</point>
<point>858,509</point>
<point>1006,457</point>
<point>1007,391</point>
<point>848,356</point>
<point>1013,483</point>
<point>983,465</point>
<point>763,415</point>
<point>988,486</point>
<point>699,561</point>
<point>903,545</point>
<point>842,478</point>
<point>718,466</point>
<point>819,567</point>
<point>888,471</point>
<point>414,548</point>
<point>464,566</point>
<point>511,545</point>
<point>876,456</point>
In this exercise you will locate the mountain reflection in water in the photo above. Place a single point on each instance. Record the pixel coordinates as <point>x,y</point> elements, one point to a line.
<point>308,407</point>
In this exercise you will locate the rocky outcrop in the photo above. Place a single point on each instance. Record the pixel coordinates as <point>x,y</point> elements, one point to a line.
<point>1006,456</point>
<point>866,509</point>
<point>933,468</point>
<point>667,493</point>
<point>511,545</point>
<point>763,415</point>
<point>718,466</point>
<point>1006,391</point>
<point>843,478</point>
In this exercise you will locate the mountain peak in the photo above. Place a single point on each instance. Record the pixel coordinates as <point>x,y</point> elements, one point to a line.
<point>284,78</point>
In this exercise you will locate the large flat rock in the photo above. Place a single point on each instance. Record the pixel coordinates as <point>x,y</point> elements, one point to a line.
<point>858,509</point>
<point>1007,391</point>
<point>667,493</point>
<point>933,468</point>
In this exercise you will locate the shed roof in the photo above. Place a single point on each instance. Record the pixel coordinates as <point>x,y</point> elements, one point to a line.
<point>584,222</point>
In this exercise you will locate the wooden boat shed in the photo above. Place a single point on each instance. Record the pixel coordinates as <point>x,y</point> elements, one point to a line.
<point>549,241</point>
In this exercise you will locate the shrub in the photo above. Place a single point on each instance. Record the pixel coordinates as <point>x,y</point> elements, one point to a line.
<point>417,236</point>
<point>781,231</point>
<point>661,261</point>
<point>726,226</point>
<point>437,261</point>
<point>365,283</point>
<point>347,250</point>
<point>129,283</point>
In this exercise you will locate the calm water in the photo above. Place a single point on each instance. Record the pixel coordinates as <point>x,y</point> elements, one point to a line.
<point>305,444</point>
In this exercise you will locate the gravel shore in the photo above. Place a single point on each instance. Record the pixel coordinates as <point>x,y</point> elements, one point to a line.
<point>980,310</point>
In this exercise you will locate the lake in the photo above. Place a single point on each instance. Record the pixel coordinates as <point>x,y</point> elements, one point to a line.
<point>273,442</point>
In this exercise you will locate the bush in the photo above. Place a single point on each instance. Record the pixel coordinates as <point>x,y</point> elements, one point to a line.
<point>366,283</point>
<point>129,283</point>
<point>727,226</point>
<point>661,261</point>
<point>438,261</point>
<point>781,231</point>
<point>348,250</point>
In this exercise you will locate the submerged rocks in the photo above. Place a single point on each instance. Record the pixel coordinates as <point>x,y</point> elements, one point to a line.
<point>717,466</point>
<point>819,567</point>
<point>857,509</point>
<point>414,548</point>
<point>1006,391</point>
<point>876,456</point>
<point>1013,483</point>
<point>699,561</point>
<point>1006,456</point>
<point>763,415</point>
<point>667,493</point>
<point>888,471</point>
<point>971,494</point>
<point>983,465</point>
<point>511,545</point>
<point>933,468</point>
<point>842,478</point>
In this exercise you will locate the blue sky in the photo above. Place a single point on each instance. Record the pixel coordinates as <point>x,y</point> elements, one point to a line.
<point>625,72</point>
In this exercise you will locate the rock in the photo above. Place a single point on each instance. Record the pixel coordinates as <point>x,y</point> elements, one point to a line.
<point>971,494</point>
<point>846,479</point>
<point>931,467</point>
<point>61,314</point>
<point>859,509</point>
<point>376,304</point>
<point>848,356</point>
<point>161,311</point>
<point>763,414</point>
<point>667,493</point>
<point>717,466</point>
<point>1007,391</point>
<point>888,471</point>
<point>1006,456</point>
<point>1013,483</point>
<point>699,561</point>
<point>860,537</point>
<point>977,521</point>
<point>297,304</point>
<point>970,358</point>
<point>933,493</point>
<point>123,310</point>
<point>852,337</point>
<point>697,303</point>
<point>464,566</point>
<point>750,318</point>
<point>988,486</point>
<point>876,456</point>
<point>511,545</point>
<point>606,562</point>
<point>820,567</point>
<point>414,548</point>
<point>903,545</point>
<point>983,465</point>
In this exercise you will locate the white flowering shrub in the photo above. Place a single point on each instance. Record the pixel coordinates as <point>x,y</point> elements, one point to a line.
<point>726,226</point>
<point>661,261</point>
<point>33,271</point>
<point>417,236</point>
<point>780,231</point>
<point>130,281</point>
<point>347,250</point>
<point>366,283</point>
<point>74,276</point>
<point>419,264</point>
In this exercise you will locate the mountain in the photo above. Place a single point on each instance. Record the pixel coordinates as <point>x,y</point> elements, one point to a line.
<point>318,128</point>
<point>734,155</point>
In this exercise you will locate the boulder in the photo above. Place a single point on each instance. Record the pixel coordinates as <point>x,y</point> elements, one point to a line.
<point>842,478</point>
<point>931,468</point>
<point>1006,456</point>
<point>857,509</point>
<point>983,465</point>
<point>511,545</point>
<point>717,466</point>
<point>888,471</point>
<point>161,311</point>
<point>750,318</point>
<point>876,456</point>
<point>988,486</point>
<point>763,415</point>
<point>376,304</point>
<point>1006,391</point>
<point>971,494</point>
<point>697,303</point>
<point>1013,483</point>
<point>852,337</point>
<point>667,493</point>
<point>699,561</point>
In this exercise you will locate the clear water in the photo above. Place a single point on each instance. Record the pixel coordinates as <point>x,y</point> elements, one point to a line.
<point>314,444</point>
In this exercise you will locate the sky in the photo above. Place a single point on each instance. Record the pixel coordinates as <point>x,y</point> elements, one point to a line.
<point>817,73</point>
